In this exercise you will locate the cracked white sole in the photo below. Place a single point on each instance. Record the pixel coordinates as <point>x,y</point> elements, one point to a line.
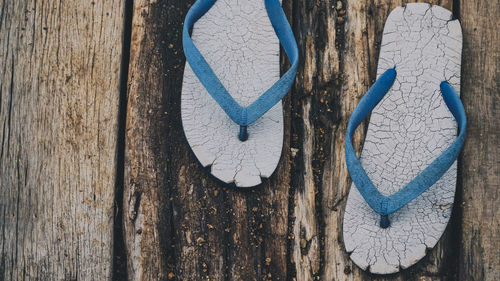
<point>239,43</point>
<point>408,129</point>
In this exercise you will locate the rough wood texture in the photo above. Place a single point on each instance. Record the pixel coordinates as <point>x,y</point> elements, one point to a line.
<point>199,229</point>
<point>179,221</point>
<point>59,89</point>
<point>480,178</point>
<point>59,64</point>
<point>148,197</point>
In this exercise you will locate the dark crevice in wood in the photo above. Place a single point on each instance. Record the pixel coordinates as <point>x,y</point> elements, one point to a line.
<point>2,13</point>
<point>296,178</point>
<point>3,254</point>
<point>3,140</point>
<point>455,225</point>
<point>290,7</point>
<point>119,263</point>
<point>136,197</point>
<point>372,67</point>
<point>290,268</point>
<point>377,34</point>
<point>456,9</point>
<point>9,113</point>
<point>15,261</point>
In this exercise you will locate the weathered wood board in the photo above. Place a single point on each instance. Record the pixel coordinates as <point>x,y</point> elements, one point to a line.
<point>59,93</point>
<point>479,212</point>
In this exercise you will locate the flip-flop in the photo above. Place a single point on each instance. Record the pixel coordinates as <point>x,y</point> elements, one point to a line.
<point>404,185</point>
<point>231,95</point>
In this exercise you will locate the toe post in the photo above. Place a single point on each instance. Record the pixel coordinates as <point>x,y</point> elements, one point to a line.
<point>243,136</point>
<point>384,221</point>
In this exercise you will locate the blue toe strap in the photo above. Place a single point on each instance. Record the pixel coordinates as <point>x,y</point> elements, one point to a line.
<point>243,116</point>
<point>385,205</point>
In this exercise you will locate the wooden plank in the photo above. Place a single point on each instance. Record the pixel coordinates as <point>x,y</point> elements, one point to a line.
<point>59,95</point>
<point>179,221</point>
<point>147,208</point>
<point>339,43</point>
<point>480,239</point>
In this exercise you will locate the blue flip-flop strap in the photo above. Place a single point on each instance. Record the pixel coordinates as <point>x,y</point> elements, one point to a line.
<point>243,116</point>
<point>385,205</point>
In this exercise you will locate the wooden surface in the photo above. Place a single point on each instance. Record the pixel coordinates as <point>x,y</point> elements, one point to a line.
<point>59,93</point>
<point>480,179</point>
<point>62,149</point>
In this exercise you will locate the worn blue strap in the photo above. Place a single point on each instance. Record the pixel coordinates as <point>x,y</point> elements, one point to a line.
<point>243,116</point>
<point>385,205</point>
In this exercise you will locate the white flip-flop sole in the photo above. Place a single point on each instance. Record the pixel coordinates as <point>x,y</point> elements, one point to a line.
<point>408,129</point>
<point>239,43</point>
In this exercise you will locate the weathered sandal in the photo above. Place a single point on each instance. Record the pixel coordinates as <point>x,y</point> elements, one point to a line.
<point>404,184</point>
<point>231,95</point>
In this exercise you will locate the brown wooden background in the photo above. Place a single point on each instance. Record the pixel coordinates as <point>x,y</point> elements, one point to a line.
<point>97,182</point>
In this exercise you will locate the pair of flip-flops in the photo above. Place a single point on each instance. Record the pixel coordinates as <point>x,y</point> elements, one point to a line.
<point>403,183</point>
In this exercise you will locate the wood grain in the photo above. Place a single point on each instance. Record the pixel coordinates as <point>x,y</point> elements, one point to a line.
<point>480,239</point>
<point>148,191</point>
<point>59,94</point>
